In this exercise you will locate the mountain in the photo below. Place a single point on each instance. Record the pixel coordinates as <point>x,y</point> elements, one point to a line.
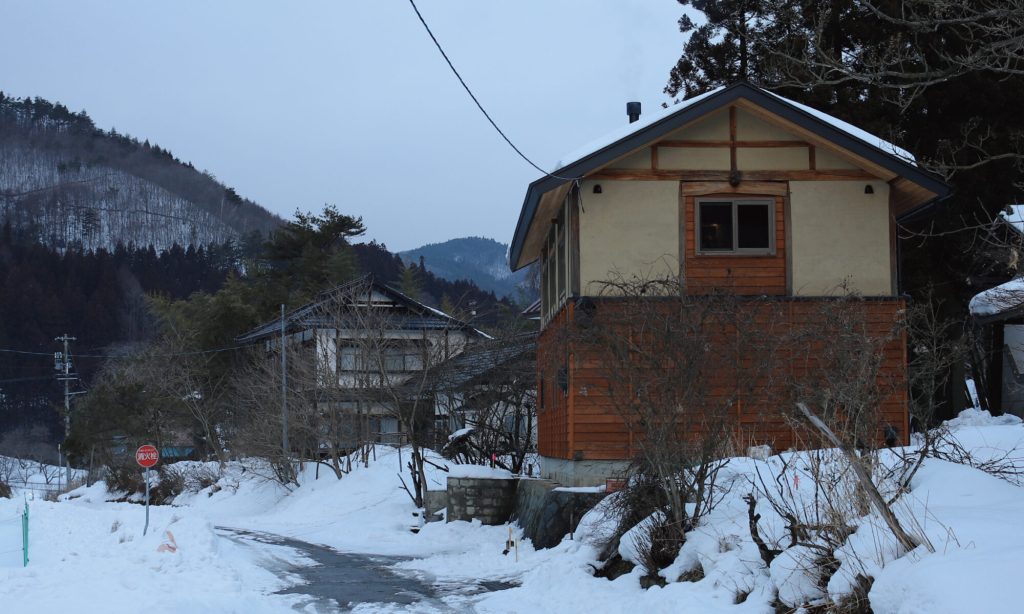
<point>66,183</point>
<point>480,260</point>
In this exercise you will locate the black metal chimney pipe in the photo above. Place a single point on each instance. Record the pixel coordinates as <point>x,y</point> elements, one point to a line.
<point>633,110</point>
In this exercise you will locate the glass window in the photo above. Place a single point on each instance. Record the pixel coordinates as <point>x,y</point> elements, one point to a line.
<point>394,360</point>
<point>753,223</point>
<point>735,226</point>
<point>716,226</point>
<point>349,359</point>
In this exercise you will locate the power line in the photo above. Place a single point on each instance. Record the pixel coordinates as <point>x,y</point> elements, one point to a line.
<point>475,100</point>
<point>171,355</point>
<point>25,379</point>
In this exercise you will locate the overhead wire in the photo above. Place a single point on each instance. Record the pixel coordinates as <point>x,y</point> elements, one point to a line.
<point>167,355</point>
<point>26,379</point>
<point>480,106</point>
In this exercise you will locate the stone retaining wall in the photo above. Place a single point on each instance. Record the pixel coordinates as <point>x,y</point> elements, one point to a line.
<point>489,500</point>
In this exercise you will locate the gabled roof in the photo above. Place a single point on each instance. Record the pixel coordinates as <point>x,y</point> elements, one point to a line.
<point>482,359</point>
<point>1013,216</point>
<point>314,314</point>
<point>1003,302</point>
<point>632,137</point>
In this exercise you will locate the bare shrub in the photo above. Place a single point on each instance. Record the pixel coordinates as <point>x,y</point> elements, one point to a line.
<point>200,477</point>
<point>172,483</point>
<point>1006,465</point>
<point>677,367</point>
<point>8,468</point>
<point>489,392</point>
<point>126,478</point>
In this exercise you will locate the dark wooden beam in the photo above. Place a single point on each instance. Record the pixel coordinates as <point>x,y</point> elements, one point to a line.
<point>732,138</point>
<point>689,175</point>
<point>703,188</point>
<point>723,144</point>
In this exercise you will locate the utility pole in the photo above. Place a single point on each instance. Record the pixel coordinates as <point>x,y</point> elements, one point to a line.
<point>62,364</point>
<point>284,388</point>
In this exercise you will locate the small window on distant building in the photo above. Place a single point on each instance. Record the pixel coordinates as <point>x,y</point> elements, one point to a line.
<point>735,227</point>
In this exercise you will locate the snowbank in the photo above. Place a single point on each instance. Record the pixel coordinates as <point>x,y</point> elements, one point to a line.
<point>89,554</point>
<point>93,558</point>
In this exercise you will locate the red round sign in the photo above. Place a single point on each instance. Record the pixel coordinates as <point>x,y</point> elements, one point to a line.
<point>147,456</point>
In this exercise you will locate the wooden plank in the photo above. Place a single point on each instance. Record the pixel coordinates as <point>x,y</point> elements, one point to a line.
<point>723,144</point>
<point>654,157</point>
<point>838,174</point>
<point>812,162</point>
<point>571,402</point>
<point>751,188</point>
<point>681,208</point>
<point>574,247</point>
<point>732,139</point>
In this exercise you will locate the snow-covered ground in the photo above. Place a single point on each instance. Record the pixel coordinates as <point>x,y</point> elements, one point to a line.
<point>89,555</point>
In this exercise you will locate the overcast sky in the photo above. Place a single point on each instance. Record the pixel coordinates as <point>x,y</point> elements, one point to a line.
<point>297,104</point>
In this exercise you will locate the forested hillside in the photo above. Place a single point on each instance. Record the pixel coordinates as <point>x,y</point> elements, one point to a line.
<point>478,259</point>
<point>99,297</point>
<point>117,301</point>
<point>66,183</point>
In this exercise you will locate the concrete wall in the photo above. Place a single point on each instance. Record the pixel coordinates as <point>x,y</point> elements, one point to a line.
<point>629,230</point>
<point>488,500</point>
<point>434,501</point>
<point>838,232</point>
<point>547,513</point>
<point>581,473</point>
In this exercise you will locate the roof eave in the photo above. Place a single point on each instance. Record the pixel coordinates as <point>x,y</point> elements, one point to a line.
<point>649,133</point>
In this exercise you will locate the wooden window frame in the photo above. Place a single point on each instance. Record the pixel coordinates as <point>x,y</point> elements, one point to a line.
<point>768,203</point>
<point>556,270</point>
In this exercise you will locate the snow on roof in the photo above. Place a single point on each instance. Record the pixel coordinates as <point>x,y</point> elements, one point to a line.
<point>1014,216</point>
<point>652,118</point>
<point>1000,299</point>
<point>852,130</point>
<point>623,131</point>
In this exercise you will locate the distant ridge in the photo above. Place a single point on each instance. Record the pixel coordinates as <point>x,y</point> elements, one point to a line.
<point>481,260</point>
<point>66,183</point>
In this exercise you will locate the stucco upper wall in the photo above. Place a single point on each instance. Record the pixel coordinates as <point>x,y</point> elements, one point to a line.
<point>773,159</point>
<point>640,159</point>
<point>693,158</point>
<point>839,233</point>
<point>629,230</point>
<point>713,127</point>
<point>749,127</point>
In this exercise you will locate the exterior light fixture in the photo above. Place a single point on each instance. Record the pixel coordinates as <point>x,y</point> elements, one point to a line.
<point>869,189</point>
<point>597,188</point>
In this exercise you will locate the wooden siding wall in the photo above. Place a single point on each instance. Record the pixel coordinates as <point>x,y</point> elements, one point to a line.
<point>743,275</point>
<point>587,422</point>
<point>553,435</point>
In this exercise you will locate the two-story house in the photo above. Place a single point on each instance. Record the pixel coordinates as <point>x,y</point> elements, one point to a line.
<point>736,190</point>
<point>367,348</point>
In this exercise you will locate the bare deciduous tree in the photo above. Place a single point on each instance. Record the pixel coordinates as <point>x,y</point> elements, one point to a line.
<point>678,367</point>
<point>489,398</point>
